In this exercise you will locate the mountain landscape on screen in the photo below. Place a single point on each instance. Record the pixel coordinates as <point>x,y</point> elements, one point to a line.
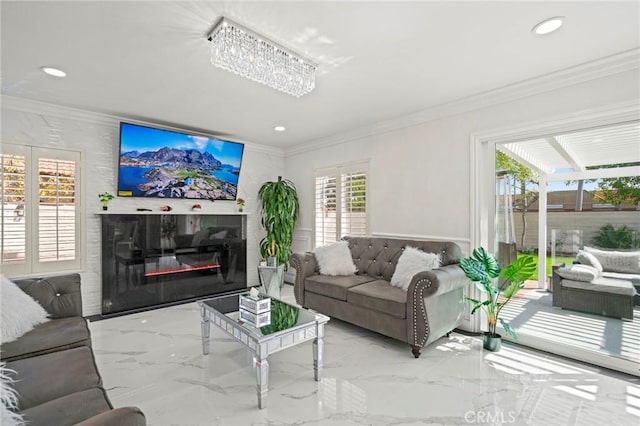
<point>186,167</point>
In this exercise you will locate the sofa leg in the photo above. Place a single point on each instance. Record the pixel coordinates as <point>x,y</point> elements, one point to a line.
<point>448,334</point>
<point>415,350</point>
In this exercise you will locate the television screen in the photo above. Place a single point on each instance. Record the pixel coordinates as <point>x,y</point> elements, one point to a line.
<point>167,164</point>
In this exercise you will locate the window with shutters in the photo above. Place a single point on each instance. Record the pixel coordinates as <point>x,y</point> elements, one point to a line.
<point>40,210</point>
<point>341,202</point>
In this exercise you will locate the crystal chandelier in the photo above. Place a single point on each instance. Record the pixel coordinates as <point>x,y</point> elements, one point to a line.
<point>248,54</point>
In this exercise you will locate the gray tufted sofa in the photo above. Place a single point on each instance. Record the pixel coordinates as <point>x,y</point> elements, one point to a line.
<point>432,306</point>
<point>55,372</point>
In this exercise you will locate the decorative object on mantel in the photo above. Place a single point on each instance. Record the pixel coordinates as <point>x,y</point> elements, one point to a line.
<point>166,208</point>
<point>196,207</point>
<point>280,209</point>
<point>483,269</point>
<point>143,210</point>
<point>240,202</point>
<point>105,197</point>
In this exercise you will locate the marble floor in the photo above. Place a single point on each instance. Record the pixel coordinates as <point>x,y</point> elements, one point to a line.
<point>154,360</point>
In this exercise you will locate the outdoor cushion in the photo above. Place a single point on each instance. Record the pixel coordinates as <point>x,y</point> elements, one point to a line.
<point>69,409</point>
<point>335,287</point>
<point>604,285</point>
<point>617,261</point>
<point>579,272</point>
<point>47,377</point>
<point>381,296</point>
<point>587,258</point>
<point>52,336</point>
<point>634,278</point>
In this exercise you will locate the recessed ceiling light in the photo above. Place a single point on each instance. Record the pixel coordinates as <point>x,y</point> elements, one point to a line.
<point>53,71</point>
<point>279,128</point>
<point>548,25</point>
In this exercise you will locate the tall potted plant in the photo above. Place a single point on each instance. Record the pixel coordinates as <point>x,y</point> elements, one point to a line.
<point>483,269</point>
<point>279,210</point>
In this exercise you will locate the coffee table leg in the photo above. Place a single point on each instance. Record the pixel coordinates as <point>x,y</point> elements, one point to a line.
<point>206,325</point>
<point>318,346</point>
<point>262,380</point>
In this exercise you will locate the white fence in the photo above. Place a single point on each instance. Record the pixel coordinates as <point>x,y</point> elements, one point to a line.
<point>565,223</point>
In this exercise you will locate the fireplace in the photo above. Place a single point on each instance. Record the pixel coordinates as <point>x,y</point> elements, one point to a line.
<point>157,259</point>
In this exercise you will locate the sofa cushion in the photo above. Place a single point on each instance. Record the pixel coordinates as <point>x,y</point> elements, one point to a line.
<point>334,287</point>
<point>579,272</point>
<point>68,409</point>
<point>604,285</point>
<point>381,296</point>
<point>586,258</point>
<point>617,261</point>
<point>335,259</point>
<point>47,377</point>
<point>634,278</point>
<point>59,295</point>
<point>19,312</point>
<point>52,336</point>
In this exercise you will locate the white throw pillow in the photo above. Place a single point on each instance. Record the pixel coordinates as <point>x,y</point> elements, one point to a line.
<point>578,272</point>
<point>586,258</point>
<point>411,262</point>
<point>9,398</point>
<point>20,313</point>
<point>335,259</point>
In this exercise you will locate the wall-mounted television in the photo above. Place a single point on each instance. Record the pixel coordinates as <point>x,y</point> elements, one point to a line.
<point>167,164</point>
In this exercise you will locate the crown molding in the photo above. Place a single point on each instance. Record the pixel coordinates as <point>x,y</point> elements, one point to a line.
<point>111,120</point>
<point>625,61</point>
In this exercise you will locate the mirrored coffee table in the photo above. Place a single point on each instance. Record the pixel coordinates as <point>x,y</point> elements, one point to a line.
<point>223,312</point>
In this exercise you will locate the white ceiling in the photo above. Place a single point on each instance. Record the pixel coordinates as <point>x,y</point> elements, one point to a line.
<point>378,60</point>
<point>579,151</point>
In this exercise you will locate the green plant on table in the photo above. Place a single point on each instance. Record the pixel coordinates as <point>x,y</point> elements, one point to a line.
<point>283,316</point>
<point>483,269</point>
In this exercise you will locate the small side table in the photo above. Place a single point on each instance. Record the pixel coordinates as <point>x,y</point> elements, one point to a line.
<point>271,279</point>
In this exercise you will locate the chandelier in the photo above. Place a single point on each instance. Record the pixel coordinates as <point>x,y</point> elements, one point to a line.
<point>248,54</point>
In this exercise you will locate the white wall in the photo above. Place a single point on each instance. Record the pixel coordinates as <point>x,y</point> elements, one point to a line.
<point>420,179</point>
<point>96,137</point>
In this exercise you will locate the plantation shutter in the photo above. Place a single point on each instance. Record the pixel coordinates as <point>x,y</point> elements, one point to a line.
<point>13,247</point>
<point>56,210</point>
<point>341,203</point>
<point>40,210</point>
<point>354,204</point>
<point>326,224</point>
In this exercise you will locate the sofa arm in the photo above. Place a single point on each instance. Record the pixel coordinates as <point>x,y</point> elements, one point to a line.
<point>429,284</point>
<point>124,416</point>
<point>60,296</point>
<point>305,265</point>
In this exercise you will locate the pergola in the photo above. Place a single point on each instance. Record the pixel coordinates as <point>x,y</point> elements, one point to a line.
<point>573,156</point>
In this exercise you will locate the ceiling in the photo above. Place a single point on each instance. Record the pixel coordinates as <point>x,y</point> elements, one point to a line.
<point>149,60</point>
<point>580,151</point>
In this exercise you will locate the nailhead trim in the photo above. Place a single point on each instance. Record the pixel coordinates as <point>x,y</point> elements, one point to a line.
<point>419,297</point>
